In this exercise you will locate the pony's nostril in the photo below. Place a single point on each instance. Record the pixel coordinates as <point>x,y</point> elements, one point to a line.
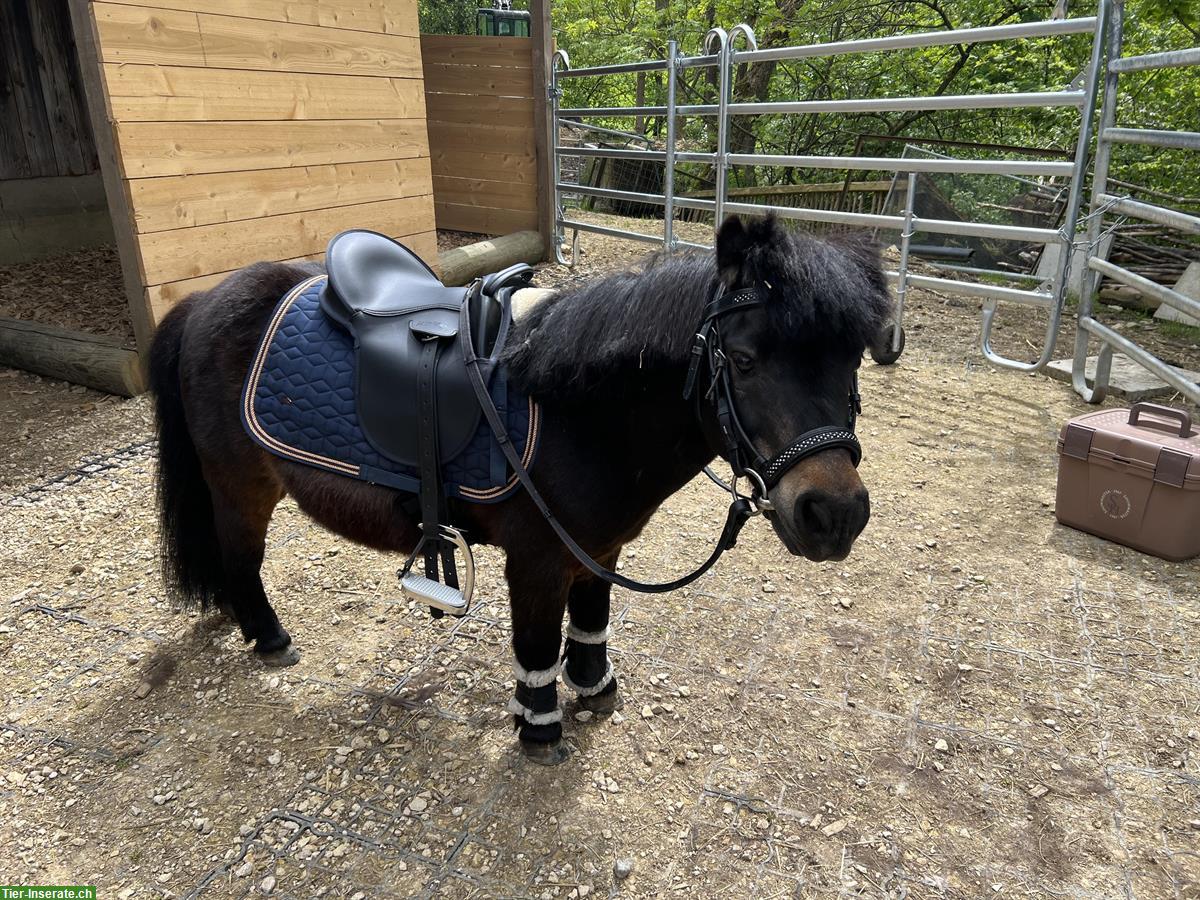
<point>831,517</point>
<point>815,515</point>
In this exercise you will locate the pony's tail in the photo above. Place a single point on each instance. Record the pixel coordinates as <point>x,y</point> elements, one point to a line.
<point>191,552</point>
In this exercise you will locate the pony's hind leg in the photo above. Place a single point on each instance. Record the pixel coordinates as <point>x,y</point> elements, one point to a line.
<point>241,523</point>
<point>587,669</point>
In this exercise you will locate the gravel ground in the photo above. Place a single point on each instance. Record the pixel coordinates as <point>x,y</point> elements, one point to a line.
<point>977,703</point>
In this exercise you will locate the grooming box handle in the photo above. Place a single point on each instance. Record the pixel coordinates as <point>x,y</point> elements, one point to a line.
<point>1185,420</point>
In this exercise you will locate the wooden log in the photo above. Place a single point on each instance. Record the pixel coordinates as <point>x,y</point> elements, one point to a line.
<point>103,363</point>
<point>1127,297</point>
<point>462,264</point>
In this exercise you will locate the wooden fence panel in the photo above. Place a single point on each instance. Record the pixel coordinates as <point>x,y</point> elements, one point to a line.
<point>479,100</point>
<point>256,129</point>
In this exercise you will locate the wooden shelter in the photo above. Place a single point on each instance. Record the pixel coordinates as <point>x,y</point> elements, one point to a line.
<point>203,135</point>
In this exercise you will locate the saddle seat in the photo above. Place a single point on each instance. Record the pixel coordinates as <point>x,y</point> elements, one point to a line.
<point>392,304</point>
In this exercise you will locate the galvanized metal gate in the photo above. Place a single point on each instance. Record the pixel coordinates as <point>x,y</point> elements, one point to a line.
<point>1108,202</point>
<point>725,50</point>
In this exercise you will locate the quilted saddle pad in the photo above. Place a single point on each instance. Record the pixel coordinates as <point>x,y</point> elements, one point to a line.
<point>298,403</point>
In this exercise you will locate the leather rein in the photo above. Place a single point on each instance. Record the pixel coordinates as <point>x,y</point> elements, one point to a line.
<point>739,450</point>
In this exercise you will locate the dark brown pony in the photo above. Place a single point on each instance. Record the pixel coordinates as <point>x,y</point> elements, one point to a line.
<point>607,362</point>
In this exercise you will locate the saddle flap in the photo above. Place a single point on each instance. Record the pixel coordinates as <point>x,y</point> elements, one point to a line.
<point>389,354</point>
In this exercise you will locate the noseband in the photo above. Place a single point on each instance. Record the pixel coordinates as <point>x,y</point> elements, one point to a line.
<point>738,449</point>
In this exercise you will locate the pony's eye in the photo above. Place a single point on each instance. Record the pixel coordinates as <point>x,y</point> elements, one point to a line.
<point>743,361</point>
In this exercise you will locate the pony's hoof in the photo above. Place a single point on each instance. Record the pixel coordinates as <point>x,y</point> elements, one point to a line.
<point>551,754</point>
<point>601,704</point>
<point>285,656</point>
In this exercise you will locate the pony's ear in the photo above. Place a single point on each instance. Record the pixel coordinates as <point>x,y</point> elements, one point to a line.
<point>733,240</point>
<point>765,230</point>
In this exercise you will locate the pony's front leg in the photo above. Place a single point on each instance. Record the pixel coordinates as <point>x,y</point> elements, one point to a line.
<point>537,589</point>
<point>587,669</point>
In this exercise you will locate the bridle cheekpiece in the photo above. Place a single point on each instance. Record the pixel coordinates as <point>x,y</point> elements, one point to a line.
<point>737,447</point>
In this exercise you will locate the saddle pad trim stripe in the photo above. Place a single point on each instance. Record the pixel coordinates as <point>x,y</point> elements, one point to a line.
<point>248,413</point>
<point>530,446</point>
<point>396,481</point>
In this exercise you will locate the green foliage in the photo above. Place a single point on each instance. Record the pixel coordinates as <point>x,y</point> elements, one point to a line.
<point>453,16</point>
<point>596,32</point>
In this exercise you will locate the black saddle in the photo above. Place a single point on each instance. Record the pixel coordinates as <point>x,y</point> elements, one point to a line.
<point>392,304</point>
<point>415,400</point>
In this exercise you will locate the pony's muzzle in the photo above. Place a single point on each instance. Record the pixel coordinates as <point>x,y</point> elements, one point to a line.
<point>821,507</point>
<point>830,523</point>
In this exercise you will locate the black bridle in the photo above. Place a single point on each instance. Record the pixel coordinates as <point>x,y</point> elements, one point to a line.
<point>739,449</point>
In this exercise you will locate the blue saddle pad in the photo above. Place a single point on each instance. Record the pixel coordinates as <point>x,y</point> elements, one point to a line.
<point>298,402</point>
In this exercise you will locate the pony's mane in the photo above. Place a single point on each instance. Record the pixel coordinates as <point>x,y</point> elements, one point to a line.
<point>826,293</point>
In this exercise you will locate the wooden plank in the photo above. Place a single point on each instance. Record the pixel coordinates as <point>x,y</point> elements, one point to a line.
<point>249,44</point>
<point>483,220</point>
<point>492,166</point>
<point>86,38</point>
<point>497,138</point>
<point>161,297</point>
<point>384,16</point>
<point>141,93</point>
<point>130,34</point>
<point>32,120</point>
<point>469,50</point>
<point>42,217</point>
<point>188,252</point>
<point>467,109</point>
<point>99,362</point>
<point>160,204</point>
<point>61,88</point>
<point>542,34</point>
<point>482,192</point>
<point>63,194</point>
<point>14,158</point>
<point>424,244</point>
<point>40,236</point>
<point>477,80</point>
<point>151,149</point>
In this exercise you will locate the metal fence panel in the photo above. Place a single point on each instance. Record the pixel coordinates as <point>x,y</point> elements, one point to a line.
<point>727,50</point>
<point>1105,202</point>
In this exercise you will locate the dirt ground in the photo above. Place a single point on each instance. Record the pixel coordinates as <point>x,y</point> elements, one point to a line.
<point>977,703</point>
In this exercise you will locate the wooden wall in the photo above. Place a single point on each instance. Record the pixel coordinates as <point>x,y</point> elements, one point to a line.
<point>51,195</point>
<point>245,130</point>
<point>479,92</point>
<point>44,127</point>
